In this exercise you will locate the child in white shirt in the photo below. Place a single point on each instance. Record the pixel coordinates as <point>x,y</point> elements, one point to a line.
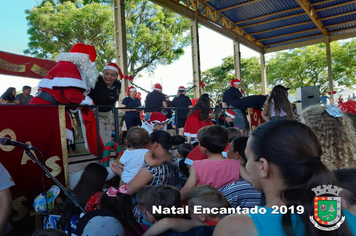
<point>136,156</point>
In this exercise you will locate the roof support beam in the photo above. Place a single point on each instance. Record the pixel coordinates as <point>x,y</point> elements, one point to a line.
<point>194,35</point>
<point>294,45</point>
<point>263,73</point>
<point>278,36</point>
<point>310,42</point>
<point>120,38</point>
<point>272,14</point>
<point>340,15</point>
<point>342,36</point>
<point>295,39</point>
<point>285,11</point>
<point>330,72</point>
<point>238,5</point>
<point>337,5</point>
<point>283,27</point>
<point>308,8</point>
<point>232,32</point>
<point>237,60</point>
<point>343,23</point>
<point>281,18</point>
<point>298,24</point>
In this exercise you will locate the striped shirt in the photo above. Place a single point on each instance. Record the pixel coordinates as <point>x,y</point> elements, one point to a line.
<point>241,193</point>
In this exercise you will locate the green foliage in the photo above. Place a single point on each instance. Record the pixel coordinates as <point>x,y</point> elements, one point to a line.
<point>217,79</point>
<point>307,66</point>
<point>294,68</point>
<point>155,36</point>
<point>299,67</point>
<point>344,62</point>
<point>55,29</point>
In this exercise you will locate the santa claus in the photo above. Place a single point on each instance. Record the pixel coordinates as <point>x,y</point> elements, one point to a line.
<point>70,81</point>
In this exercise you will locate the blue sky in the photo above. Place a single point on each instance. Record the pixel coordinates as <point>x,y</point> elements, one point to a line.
<point>14,39</point>
<point>13,28</point>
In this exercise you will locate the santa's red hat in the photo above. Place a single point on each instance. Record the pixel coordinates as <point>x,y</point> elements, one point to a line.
<point>80,54</point>
<point>181,88</point>
<point>64,74</point>
<point>157,86</point>
<point>235,81</point>
<point>230,113</point>
<point>83,56</point>
<point>130,89</point>
<point>114,67</point>
<point>84,49</point>
<point>157,118</point>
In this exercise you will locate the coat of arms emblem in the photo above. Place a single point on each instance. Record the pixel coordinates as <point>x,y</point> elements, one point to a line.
<point>327,209</point>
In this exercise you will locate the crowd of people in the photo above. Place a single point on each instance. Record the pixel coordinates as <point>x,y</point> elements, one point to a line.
<point>278,165</point>
<point>215,177</point>
<point>24,98</point>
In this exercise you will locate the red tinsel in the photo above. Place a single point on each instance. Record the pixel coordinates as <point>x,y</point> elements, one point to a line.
<point>348,107</point>
<point>202,85</point>
<point>138,95</point>
<point>129,77</point>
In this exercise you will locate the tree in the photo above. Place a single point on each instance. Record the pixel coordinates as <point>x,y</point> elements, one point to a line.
<point>294,68</point>
<point>217,79</point>
<point>344,62</point>
<point>55,29</point>
<point>154,35</point>
<point>307,66</point>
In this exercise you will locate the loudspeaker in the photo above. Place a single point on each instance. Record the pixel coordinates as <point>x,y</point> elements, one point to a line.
<point>307,96</point>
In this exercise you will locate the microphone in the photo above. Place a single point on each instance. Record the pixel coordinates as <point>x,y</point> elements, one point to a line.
<point>7,141</point>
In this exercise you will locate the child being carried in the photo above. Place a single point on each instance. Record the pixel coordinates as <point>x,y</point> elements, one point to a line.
<point>136,157</point>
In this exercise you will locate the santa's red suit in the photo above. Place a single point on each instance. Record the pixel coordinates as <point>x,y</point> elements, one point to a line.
<point>69,82</point>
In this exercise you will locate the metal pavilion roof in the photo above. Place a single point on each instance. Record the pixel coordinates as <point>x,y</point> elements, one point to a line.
<point>273,25</point>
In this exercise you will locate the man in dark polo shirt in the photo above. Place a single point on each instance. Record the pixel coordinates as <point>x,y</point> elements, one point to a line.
<point>231,95</point>
<point>181,101</point>
<point>156,100</point>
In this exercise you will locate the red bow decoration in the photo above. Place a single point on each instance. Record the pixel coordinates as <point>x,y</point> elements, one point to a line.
<point>113,191</point>
<point>333,92</point>
<point>242,91</point>
<point>128,77</point>
<point>202,85</point>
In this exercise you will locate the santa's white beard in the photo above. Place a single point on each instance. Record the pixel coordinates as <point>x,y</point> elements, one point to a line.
<point>90,73</point>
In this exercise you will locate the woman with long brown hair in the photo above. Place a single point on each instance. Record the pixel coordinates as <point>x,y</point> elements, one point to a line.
<point>277,106</point>
<point>198,117</point>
